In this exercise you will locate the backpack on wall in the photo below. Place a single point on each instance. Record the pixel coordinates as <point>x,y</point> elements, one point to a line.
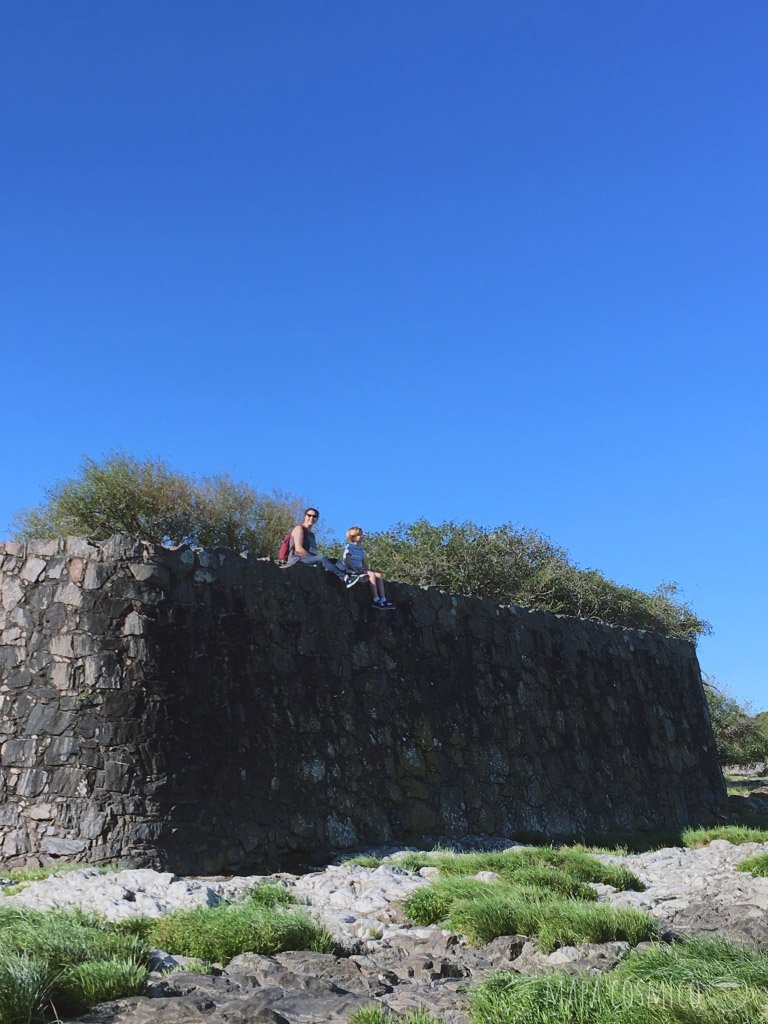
<point>285,547</point>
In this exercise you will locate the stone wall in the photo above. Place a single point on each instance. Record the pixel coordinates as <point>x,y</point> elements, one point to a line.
<point>199,710</point>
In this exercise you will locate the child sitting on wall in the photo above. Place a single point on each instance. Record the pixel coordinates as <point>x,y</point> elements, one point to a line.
<point>355,562</point>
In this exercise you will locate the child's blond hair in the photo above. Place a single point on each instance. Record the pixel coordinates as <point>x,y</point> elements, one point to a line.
<point>353,531</point>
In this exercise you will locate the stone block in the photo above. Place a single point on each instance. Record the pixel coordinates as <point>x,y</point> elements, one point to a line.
<point>96,575</point>
<point>69,594</point>
<point>13,548</point>
<point>49,720</point>
<point>61,750</point>
<point>76,570</point>
<point>62,646</point>
<point>79,547</point>
<point>31,782</point>
<point>121,548</point>
<point>58,846</point>
<point>135,625</point>
<point>21,753</point>
<point>32,569</point>
<point>11,592</point>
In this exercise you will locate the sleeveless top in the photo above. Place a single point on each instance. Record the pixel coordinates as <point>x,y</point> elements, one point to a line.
<point>309,543</point>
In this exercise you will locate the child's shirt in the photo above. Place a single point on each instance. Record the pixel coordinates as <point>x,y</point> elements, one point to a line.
<point>354,556</point>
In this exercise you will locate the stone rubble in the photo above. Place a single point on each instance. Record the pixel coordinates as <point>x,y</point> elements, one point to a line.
<point>389,961</point>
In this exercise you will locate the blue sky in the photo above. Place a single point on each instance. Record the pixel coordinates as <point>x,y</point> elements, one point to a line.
<point>491,260</point>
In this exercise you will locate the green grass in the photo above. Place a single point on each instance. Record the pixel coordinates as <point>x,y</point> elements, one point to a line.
<point>515,864</point>
<point>736,834</point>
<point>553,922</point>
<point>216,935</point>
<point>66,960</point>
<point>699,961</point>
<point>21,877</point>
<point>363,861</point>
<point>269,894</point>
<point>694,982</point>
<point>541,892</point>
<point>431,904</point>
<point>755,865</point>
<point>374,1014</point>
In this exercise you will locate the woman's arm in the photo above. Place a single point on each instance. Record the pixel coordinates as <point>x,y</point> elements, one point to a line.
<point>298,542</point>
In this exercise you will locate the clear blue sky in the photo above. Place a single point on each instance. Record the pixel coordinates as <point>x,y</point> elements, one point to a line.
<point>500,260</point>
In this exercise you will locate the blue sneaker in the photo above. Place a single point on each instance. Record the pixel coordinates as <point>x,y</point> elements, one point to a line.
<point>350,580</point>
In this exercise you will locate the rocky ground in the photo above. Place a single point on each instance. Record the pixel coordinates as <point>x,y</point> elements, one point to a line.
<point>388,961</point>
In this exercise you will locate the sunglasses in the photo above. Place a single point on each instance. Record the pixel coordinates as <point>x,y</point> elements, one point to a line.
<point>310,515</point>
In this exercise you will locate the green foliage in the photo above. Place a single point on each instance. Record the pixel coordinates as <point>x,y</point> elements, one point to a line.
<point>554,922</point>
<point>23,988</point>
<point>67,960</point>
<point>84,985</point>
<point>363,861</point>
<point>755,865</point>
<point>149,500</point>
<point>268,894</point>
<point>700,962</point>
<point>219,934</point>
<point>698,981</point>
<point>736,834</point>
<point>21,877</point>
<point>508,998</point>
<point>374,1014</point>
<point>554,869</point>
<point>541,892</point>
<point>740,738</point>
<point>431,904</point>
<point>516,566</point>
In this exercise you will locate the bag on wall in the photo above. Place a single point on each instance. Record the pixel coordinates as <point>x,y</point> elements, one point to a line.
<point>285,547</point>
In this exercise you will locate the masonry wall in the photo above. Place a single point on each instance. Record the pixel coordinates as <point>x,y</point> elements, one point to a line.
<point>203,711</point>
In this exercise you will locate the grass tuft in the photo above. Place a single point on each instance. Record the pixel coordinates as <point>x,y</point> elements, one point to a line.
<point>216,935</point>
<point>431,904</point>
<point>554,922</point>
<point>757,865</point>
<point>374,1014</point>
<point>363,861</point>
<point>736,834</point>
<point>268,894</point>
<point>510,864</point>
<point>698,981</point>
<point>84,985</point>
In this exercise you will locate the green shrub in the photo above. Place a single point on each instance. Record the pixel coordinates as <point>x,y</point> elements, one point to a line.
<point>736,834</point>
<point>84,985</point>
<point>24,987</point>
<point>553,922</point>
<point>757,865</point>
<point>374,1014</point>
<point>216,935</point>
<point>270,895</point>
<point>63,959</point>
<point>60,938</point>
<point>697,981</point>
<point>513,865</point>
<point>508,998</point>
<point>149,500</point>
<point>518,566</point>
<point>740,738</point>
<point>699,962</point>
<point>432,903</point>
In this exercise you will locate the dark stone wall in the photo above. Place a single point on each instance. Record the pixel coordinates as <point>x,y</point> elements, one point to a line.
<point>199,710</point>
